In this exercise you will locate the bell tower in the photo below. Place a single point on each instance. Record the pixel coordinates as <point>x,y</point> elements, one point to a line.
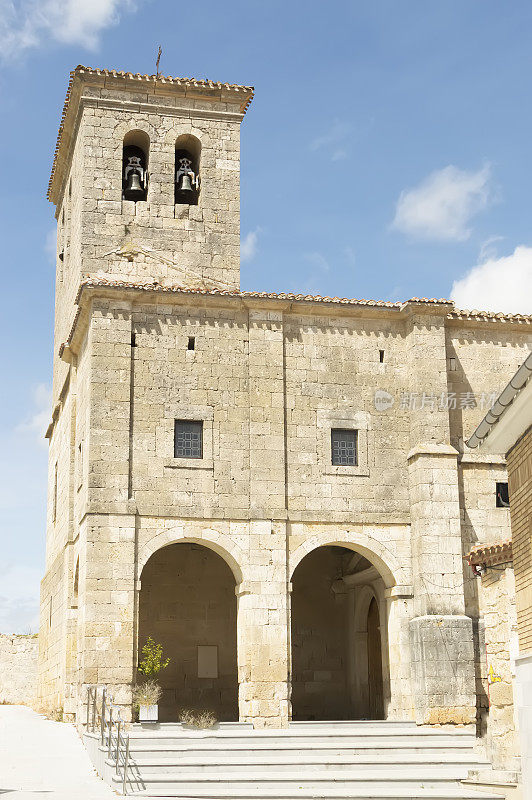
<point>146,181</point>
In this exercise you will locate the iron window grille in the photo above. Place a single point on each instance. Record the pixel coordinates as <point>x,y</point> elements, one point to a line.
<point>188,439</point>
<point>344,447</point>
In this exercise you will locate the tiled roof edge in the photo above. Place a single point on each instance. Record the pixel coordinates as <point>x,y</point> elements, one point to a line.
<point>215,292</point>
<point>491,554</point>
<point>491,316</point>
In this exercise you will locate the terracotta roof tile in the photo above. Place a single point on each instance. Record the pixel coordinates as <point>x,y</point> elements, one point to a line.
<point>490,316</point>
<point>176,289</point>
<point>487,555</point>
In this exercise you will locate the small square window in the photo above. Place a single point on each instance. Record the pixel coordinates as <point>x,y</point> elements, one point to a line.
<point>502,498</point>
<point>344,447</point>
<point>188,439</point>
<point>191,343</point>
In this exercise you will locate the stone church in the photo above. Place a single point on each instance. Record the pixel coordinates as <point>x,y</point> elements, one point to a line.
<point>273,486</point>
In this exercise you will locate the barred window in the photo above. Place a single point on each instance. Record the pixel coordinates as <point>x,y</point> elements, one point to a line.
<point>344,447</point>
<point>188,439</point>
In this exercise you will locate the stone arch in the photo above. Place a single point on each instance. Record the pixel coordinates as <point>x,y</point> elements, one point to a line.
<point>187,603</point>
<point>179,131</point>
<point>376,553</point>
<point>366,594</point>
<point>187,146</point>
<point>121,130</point>
<point>214,540</point>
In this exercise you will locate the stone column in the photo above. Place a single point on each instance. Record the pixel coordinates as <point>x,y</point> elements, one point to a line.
<point>266,415</point>
<point>107,607</point>
<point>441,635</point>
<point>263,657</point>
<point>107,533</point>
<point>399,612</point>
<point>262,630</point>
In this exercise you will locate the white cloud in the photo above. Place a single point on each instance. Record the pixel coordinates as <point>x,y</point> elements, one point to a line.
<point>19,599</point>
<point>249,244</point>
<point>442,206</point>
<point>25,24</point>
<point>488,251</point>
<point>499,284</point>
<point>333,140</point>
<point>39,420</point>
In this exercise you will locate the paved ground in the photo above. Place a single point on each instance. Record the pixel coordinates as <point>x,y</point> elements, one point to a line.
<point>45,760</point>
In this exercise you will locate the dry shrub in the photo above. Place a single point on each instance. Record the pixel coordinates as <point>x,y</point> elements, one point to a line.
<point>197,718</point>
<point>146,694</point>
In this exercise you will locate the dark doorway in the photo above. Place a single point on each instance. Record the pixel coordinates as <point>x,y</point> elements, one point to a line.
<point>188,604</point>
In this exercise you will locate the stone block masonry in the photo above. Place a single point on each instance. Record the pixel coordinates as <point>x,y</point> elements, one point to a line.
<point>18,668</point>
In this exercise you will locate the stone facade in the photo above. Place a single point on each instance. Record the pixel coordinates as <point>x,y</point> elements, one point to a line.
<point>18,668</point>
<point>141,343</point>
<point>520,485</point>
<point>493,566</point>
<point>507,430</point>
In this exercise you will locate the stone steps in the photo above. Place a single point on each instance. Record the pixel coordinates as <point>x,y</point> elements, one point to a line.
<point>363,789</point>
<point>285,763</point>
<point>360,760</point>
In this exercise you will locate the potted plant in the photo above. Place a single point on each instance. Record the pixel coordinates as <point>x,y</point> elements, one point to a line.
<point>146,695</point>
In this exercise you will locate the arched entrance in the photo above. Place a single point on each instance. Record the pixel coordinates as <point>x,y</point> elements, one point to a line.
<point>188,604</point>
<point>339,646</point>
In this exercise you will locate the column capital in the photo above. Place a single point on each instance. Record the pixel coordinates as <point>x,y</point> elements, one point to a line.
<point>404,592</point>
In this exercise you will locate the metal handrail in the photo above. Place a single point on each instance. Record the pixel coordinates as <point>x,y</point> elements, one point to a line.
<point>106,722</point>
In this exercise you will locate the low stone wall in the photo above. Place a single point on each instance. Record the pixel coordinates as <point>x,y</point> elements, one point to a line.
<point>18,668</point>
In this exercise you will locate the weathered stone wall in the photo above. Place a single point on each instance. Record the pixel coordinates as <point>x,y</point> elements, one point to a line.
<point>520,486</point>
<point>18,668</point>
<point>268,386</point>
<point>497,606</point>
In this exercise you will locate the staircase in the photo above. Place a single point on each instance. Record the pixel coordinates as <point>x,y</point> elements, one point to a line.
<point>362,760</point>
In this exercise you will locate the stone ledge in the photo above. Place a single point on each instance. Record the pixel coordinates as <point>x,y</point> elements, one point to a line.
<point>432,449</point>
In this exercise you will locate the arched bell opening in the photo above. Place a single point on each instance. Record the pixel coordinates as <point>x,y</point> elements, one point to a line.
<point>188,604</point>
<point>135,155</point>
<point>187,170</point>
<point>338,637</point>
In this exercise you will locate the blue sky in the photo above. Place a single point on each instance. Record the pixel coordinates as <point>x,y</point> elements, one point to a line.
<point>387,154</point>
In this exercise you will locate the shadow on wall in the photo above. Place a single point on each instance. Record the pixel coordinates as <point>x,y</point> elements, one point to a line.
<point>188,604</point>
<point>337,656</point>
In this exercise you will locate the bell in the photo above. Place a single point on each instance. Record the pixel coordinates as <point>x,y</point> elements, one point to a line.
<point>185,184</point>
<point>133,189</point>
